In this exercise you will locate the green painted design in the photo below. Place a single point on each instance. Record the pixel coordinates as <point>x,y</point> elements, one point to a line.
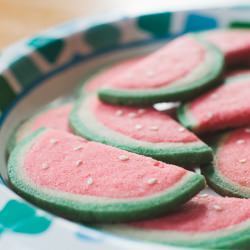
<point>156,24</point>
<point>102,36</point>
<point>7,95</point>
<point>19,217</point>
<point>240,24</point>
<point>49,48</point>
<point>25,71</point>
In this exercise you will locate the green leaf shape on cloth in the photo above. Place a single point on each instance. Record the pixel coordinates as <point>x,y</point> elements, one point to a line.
<point>19,217</point>
<point>50,48</point>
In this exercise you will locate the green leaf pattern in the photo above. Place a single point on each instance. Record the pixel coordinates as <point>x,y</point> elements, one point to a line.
<point>19,217</point>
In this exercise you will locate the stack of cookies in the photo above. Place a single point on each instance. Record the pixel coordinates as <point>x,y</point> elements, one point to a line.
<point>110,158</point>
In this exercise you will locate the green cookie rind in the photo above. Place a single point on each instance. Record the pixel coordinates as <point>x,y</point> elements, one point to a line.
<point>186,154</point>
<point>234,237</point>
<point>217,181</point>
<point>97,209</point>
<point>185,116</point>
<point>182,92</point>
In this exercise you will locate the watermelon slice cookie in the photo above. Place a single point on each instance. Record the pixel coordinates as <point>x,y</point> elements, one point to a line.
<point>227,106</point>
<point>55,117</point>
<point>93,182</point>
<point>234,43</point>
<point>205,222</point>
<point>182,69</point>
<point>230,173</point>
<point>143,131</point>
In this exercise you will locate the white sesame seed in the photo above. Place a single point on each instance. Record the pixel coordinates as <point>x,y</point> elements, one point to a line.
<point>150,73</point>
<point>154,128</point>
<point>203,195</point>
<point>89,181</point>
<point>119,112</point>
<point>209,114</point>
<point>217,207</point>
<point>78,163</point>
<point>247,130</point>
<point>132,115</point>
<point>138,126</point>
<point>45,166</point>
<point>181,129</point>
<point>78,148</point>
<point>141,111</point>
<point>53,141</point>
<point>152,181</point>
<point>240,141</point>
<point>123,157</point>
<point>242,161</point>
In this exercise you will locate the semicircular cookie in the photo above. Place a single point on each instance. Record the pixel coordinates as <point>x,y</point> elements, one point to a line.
<point>143,131</point>
<point>226,106</point>
<point>205,222</point>
<point>234,43</point>
<point>93,182</point>
<point>182,69</point>
<point>229,174</point>
<point>55,117</point>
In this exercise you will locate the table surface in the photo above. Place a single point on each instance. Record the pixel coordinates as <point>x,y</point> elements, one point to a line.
<point>23,18</point>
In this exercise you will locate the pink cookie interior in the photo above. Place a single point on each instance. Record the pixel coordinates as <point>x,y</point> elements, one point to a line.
<point>233,150</point>
<point>56,118</point>
<point>102,78</point>
<point>159,69</point>
<point>154,126</point>
<point>226,106</point>
<point>235,44</point>
<point>202,214</point>
<point>111,177</point>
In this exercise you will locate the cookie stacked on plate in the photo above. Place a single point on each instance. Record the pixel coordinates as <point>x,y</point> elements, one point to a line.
<point>110,156</point>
